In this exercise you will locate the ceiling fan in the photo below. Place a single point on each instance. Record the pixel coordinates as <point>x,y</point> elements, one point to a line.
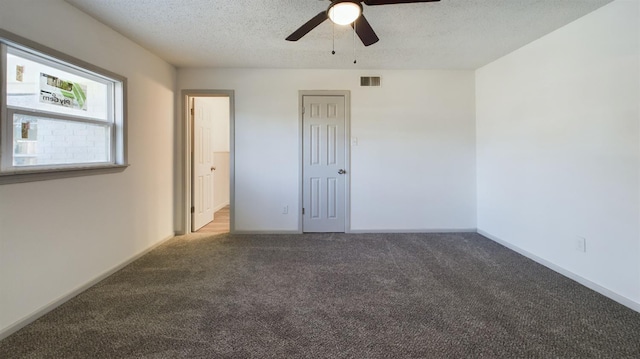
<point>349,12</point>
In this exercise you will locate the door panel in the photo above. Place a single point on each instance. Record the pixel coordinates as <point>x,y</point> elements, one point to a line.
<point>332,198</point>
<point>314,204</point>
<point>324,155</point>
<point>202,163</point>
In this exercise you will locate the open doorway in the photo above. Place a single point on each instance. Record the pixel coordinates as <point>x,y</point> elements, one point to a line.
<point>208,190</point>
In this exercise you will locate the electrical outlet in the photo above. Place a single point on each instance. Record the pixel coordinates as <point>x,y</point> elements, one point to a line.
<point>285,209</point>
<point>581,244</point>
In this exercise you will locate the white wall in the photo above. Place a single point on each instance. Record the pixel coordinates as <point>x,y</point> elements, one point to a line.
<point>220,123</point>
<point>221,180</point>
<point>558,149</point>
<point>413,168</point>
<point>221,137</point>
<point>56,236</point>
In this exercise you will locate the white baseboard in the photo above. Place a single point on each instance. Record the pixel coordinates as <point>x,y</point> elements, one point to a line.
<point>266,232</point>
<point>370,231</point>
<point>448,230</point>
<point>627,302</point>
<point>61,300</point>
<point>220,206</point>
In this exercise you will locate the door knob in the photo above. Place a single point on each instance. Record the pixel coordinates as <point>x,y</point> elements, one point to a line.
<point>341,172</point>
<point>213,168</point>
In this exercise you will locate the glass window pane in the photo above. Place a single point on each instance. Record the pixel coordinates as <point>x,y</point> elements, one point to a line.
<point>32,85</point>
<point>39,141</point>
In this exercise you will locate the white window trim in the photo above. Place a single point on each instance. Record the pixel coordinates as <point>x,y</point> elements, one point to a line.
<point>41,173</point>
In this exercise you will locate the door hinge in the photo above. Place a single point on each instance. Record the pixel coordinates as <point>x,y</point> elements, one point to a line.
<point>192,113</point>
<point>303,110</point>
<point>193,209</point>
<point>303,211</point>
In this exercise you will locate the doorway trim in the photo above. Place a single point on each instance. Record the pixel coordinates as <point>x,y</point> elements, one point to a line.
<point>183,205</point>
<point>346,94</point>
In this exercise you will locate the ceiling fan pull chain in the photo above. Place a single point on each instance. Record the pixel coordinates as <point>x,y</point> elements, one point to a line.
<point>354,43</point>
<point>333,39</point>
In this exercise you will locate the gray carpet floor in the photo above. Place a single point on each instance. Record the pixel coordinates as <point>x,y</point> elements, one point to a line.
<point>333,296</point>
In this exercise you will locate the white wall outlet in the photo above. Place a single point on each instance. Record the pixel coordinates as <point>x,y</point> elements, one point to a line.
<point>581,244</point>
<point>285,209</point>
<point>354,141</point>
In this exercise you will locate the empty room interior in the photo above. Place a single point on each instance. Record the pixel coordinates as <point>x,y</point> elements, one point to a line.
<point>453,178</point>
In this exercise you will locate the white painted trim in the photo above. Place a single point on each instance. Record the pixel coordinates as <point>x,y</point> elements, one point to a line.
<point>400,231</point>
<point>58,173</point>
<point>220,206</point>
<point>347,151</point>
<point>61,300</point>
<point>627,302</point>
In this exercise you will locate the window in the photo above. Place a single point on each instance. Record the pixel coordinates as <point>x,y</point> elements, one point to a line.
<point>60,117</point>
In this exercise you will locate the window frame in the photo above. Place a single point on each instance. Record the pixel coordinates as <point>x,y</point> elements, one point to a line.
<point>116,115</point>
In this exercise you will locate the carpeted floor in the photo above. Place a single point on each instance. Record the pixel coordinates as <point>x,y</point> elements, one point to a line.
<point>333,296</point>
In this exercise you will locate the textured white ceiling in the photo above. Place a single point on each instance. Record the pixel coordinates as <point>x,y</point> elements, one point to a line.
<point>450,34</point>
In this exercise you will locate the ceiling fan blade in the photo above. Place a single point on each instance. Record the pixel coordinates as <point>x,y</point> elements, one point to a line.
<point>308,26</point>
<point>391,2</point>
<point>365,31</point>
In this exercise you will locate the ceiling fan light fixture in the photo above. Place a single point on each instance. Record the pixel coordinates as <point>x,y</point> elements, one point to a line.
<point>344,12</point>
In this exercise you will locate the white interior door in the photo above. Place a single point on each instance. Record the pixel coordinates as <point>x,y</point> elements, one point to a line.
<point>202,158</point>
<point>323,171</point>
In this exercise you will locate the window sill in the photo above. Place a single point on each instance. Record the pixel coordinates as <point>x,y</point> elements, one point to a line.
<point>45,175</point>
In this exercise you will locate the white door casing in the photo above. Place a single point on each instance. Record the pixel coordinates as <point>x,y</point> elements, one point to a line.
<point>202,185</point>
<point>324,163</point>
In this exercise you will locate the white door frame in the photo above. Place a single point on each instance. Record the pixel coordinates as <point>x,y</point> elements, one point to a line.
<point>347,150</point>
<point>185,143</point>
